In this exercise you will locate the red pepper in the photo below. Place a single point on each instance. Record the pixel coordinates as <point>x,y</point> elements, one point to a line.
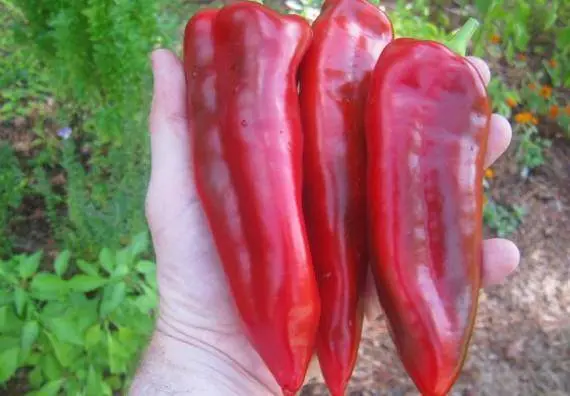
<point>348,37</point>
<point>426,127</point>
<point>241,64</point>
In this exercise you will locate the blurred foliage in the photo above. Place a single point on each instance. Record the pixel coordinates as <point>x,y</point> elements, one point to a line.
<point>533,39</point>
<point>12,184</point>
<point>503,220</point>
<point>95,56</point>
<point>79,329</point>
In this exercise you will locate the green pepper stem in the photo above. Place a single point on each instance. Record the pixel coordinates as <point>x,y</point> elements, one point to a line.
<point>458,43</point>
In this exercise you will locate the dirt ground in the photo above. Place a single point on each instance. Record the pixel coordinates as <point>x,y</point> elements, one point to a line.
<point>521,344</point>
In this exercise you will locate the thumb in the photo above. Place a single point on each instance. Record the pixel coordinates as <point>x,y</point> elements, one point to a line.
<point>171,187</point>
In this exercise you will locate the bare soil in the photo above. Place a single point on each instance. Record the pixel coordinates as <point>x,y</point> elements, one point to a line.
<point>521,344</point>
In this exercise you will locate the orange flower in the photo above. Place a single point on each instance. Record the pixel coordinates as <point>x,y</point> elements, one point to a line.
<point>521,57</point>
<point>489,173</point>
<point>534,120</point>
<point>524,117</point>
<point>553,63</point>
<point>546,92</point>
<point>511,102</point>
<point>532,86</point>
<point>553,111</point>
<point>495,38</point>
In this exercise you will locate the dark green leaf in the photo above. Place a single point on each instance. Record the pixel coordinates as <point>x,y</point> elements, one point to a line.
<point>73,387</point>
<point>30,333</point>
<point>116,355</point>
<point>563,38</point>
<point>87,267</point>
<point>86,283</point>
<point>35,377</point>
<point>4,315</point>
<point>29,264</point>
<point>53,309</point>
<point>9,341</point>
<point>115,382</point>
<point>9,363</point>
<point>145,267</point>
<point>33,359</point>
<point>483,5</point>
<point>139,244</point>
<point>95,384</point>
<point>9,321</point>
<point>50,389</point>
<point>66,330</point>
<point>62,262</point>
<point>113,296</point>
<point>6,295</point>
<point>65,353</point>
<point>46,283</point>
<point>93,336</point>
<point>122,263</point>
<point>106,260</point>
<point>51,367</point>
<point>20,299</point>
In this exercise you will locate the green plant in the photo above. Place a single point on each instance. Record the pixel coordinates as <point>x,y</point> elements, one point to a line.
<point>95,56</point>
<point>503,220</point>
<point>23,86</point>
<point>12,184</point>
<point>519,32</point>
<point>531,147</point>
<point>79,329</point>
<point>415,19</point>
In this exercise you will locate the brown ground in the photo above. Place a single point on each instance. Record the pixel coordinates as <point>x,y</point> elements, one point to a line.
<point>521,343</point>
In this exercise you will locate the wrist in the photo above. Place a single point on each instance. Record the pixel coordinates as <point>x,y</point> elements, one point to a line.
<point>184,364</point>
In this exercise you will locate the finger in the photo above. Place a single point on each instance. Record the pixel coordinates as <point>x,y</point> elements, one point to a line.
<point>500,258</point>
<point>171,184</point>
<point>481,67</point>
<point>500,134</point>
<point>168,110</point>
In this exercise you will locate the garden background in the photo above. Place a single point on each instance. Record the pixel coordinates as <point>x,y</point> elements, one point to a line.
<point>77,287</point>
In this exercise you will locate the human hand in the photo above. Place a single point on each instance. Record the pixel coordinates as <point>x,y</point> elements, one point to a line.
<point>198,335</point>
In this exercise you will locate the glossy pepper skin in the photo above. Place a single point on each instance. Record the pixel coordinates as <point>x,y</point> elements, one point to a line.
<point>348,37</point>
<point>241,63</point>
<point>426,127</point>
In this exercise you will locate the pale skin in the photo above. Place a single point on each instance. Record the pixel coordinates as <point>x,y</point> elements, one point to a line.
<point>199,347</point>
